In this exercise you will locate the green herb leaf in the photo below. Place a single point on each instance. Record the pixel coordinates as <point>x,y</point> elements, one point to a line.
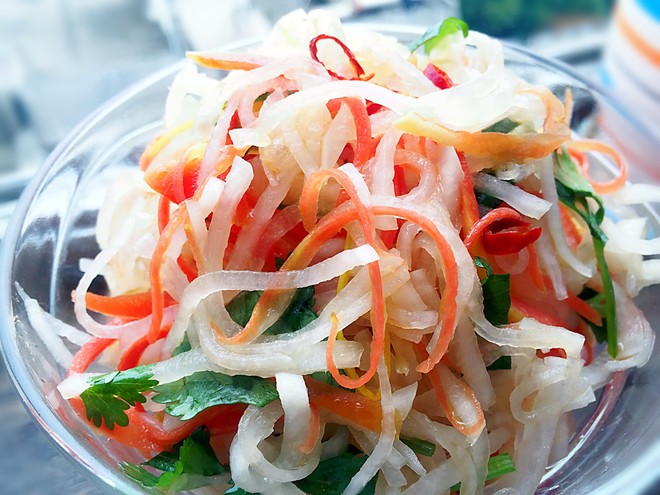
<point>195,393</point>
<point>440,31</point>
<point>419,446</point>
<point>496,291</point>
<point>240,308</point>
<point>501,363</point>
<point>498,465</point>
<point>190,466</point>
<point>487,200</point>
<point>597,301</point>
<point>504,126</point>
<point>575,192</point>
<point>298,314</point>
<point>111,394</point>
<point>332,476</point>
<point>184,346</point>
<point>234,490</point>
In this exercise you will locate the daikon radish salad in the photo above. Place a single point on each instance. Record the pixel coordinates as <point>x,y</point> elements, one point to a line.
<point>346,265</point>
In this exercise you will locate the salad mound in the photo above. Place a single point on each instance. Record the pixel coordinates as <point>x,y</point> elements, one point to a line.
<point>351,266</point>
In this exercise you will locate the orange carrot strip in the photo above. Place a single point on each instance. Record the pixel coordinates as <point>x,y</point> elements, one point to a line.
<point>582,308</point>
<point>124,306</point>
<point>162,140</point>
<point>600,147</point>
<point>157,260</point>
<point>163,213</point>
<point>227,60</point>
<point>313,432</point>
<point>347,408</point>
<point>439,376</point>
<point>534,269</point>
<point>87,354</point>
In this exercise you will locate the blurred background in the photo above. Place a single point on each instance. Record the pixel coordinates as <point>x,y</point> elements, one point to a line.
<point>60,59</point>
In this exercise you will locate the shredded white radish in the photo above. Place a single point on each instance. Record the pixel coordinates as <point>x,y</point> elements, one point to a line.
<point>527,204</point>
<point>313,230</point>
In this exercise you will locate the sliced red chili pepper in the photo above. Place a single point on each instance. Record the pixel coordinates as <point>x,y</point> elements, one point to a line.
<point>554,352</point>
<point>438,77</point>
<point>509,236</point>
<point>313,50</point>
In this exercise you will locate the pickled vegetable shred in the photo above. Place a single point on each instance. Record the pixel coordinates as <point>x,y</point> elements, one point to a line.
<point>350,266</point>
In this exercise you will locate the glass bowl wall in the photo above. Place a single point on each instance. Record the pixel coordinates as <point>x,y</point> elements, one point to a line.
<point>53,228</point>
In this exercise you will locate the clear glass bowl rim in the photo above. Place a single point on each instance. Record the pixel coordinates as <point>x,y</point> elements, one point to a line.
<point>33,400</point>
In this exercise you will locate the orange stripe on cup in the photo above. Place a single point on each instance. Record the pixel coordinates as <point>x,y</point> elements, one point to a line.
<point>641,45</point>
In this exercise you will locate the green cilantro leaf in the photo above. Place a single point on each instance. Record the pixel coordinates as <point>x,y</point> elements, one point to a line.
<point>576,193</point>
<point>234,490</point>
<point>419,446</point>
<point>184,346</point>
<point>189,466</point>
<point>195,393</point>
<point>332,476</point>
<point>486,200</point>
<point>298,314</point>
<point>504,126</point>
<point>496,291</point>
<point>501,363</point>
<point>440,31</point>
<point>111,394</point>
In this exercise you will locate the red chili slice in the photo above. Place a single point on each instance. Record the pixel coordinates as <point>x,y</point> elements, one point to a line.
<point>438,76</point>
<point>509,236</point>
<point>313,49</point>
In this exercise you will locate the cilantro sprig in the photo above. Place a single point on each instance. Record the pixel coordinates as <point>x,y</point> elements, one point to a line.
<point>332,476</point>
<point>575,192</point>
<point>434,35</point>
<point>504,126</point>
<point>191,465</point>
<point>111,394</point>
<point>298,314</point>
<point>193,394</point>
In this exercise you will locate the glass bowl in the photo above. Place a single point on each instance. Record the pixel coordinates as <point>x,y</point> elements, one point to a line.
<point>615,448</point>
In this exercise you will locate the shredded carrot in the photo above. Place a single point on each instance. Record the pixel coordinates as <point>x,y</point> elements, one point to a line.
<point>157,260</point>
<point>436,376</point>
<point>312,432</point>
<point>162,140</point>
<point>346,407</point>
<point>87,354</point>
<point>131,306</point>
<point>593,146</point>
<point>582,308</point>
<point>534,269</point>
<point>227,60</point>
<point>163,213</point>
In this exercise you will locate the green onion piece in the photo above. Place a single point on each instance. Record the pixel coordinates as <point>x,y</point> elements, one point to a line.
<point>419,446</point>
